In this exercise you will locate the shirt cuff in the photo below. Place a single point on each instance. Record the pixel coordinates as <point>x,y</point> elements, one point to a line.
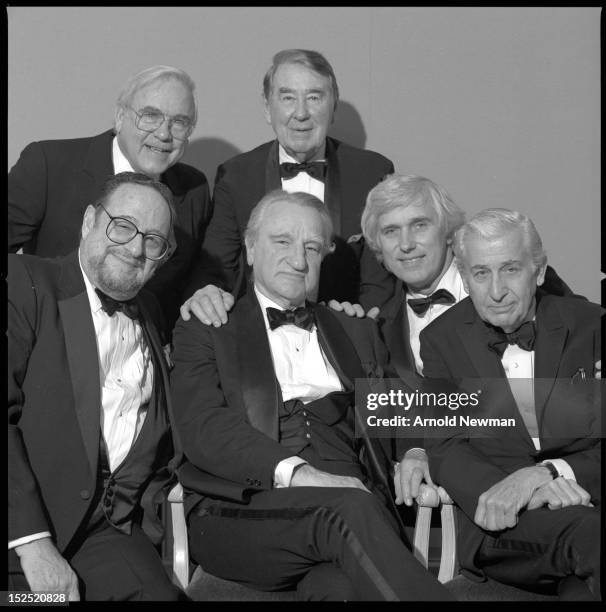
<point>283,471</point>
<point>563,468</point>
<point>28,539</point>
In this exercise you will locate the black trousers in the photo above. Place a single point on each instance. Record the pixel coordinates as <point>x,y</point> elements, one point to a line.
<point>341,542</point>
<point>112,565</point>
<point>545,547</point>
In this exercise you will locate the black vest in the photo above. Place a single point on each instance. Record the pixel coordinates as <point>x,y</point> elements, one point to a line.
<point>323,433</point>
<point>118,494</point>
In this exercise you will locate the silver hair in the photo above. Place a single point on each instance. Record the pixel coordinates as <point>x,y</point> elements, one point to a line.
<point>301,199</point>
<point>400,191</point>
<point>493,223</point>
<point>150,75</point>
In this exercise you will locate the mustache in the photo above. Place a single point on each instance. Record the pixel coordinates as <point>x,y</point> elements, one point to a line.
<point>137,261</point>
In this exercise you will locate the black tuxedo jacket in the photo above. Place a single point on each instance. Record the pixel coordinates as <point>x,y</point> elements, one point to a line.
<point>243,180</point>
<point>227,397</point>
<point>54,400</point>
<point>54,181</point>
<point>455,346</point>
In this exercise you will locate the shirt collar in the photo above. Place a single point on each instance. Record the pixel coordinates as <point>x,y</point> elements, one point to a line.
<point>283,156</point>
<point>121,164</point>
<point>451,281</point>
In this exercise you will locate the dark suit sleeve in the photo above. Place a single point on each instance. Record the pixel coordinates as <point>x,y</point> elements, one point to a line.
<point>213,427</point>
<point>27,184</point>
<point>26,511</point>
<point>222,247</point>
<point>463,470</point>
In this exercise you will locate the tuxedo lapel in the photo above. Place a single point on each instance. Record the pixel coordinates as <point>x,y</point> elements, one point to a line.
<point>272,169</point>
<point>474,341</point>
<point>258,382</point>
<point>337,347</point>
<point>82,357</point>
<point>161,380</point>
<point>332,185</point>
<point>549,348</point>
<point>97,167</point>
<point>396,335</point>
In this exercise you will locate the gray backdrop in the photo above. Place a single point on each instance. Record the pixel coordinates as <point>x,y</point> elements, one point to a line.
<point>501,106</point>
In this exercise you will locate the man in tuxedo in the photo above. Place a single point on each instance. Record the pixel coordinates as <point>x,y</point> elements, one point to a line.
<point>528,496</point>
<point>300,95</point>
<point>54,181</point>
<point>280,491</point>
<point>89,437</point>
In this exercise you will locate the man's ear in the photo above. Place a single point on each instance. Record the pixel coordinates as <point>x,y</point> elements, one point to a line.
<point>463,276</point>
<point>250,252</point>
<point>541,274</point>
<point>266,110</point>
<point>89,220</point>
<point>118,118</point>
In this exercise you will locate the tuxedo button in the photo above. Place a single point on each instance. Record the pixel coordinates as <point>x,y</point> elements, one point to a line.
<point>85,494</point>
<point>308,435</point>
<point>307,423</point>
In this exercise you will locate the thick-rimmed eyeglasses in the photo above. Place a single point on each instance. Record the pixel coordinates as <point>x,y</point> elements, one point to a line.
<point>122,231</point>
<point>150,120</point>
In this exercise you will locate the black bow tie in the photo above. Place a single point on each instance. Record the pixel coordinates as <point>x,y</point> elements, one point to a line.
<point>109,305</point>
<point>524,337</point>
<point>302,317</point>
<point>421,305</point>
<point>315,169</point>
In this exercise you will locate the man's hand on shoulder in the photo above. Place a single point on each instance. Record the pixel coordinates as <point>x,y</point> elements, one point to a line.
<point>209,304</point>
<point>46,570</point>
<point>498,507</point>
<point>559,493</point>
<point>308,476</point>
<point>353,310</point>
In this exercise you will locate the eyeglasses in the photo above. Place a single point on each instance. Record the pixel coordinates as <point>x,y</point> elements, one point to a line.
<point>122,231</point>
<point>150,120</point>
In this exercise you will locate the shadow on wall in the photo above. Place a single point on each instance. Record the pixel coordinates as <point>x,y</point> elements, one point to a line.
<point>207,153</point>
<point>348,125</point>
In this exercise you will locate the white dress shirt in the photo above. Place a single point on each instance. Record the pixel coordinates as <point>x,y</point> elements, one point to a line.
<point>121,164</point>
<point>451,281</point>
<point>302,370</point>
<point>301,182</point>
